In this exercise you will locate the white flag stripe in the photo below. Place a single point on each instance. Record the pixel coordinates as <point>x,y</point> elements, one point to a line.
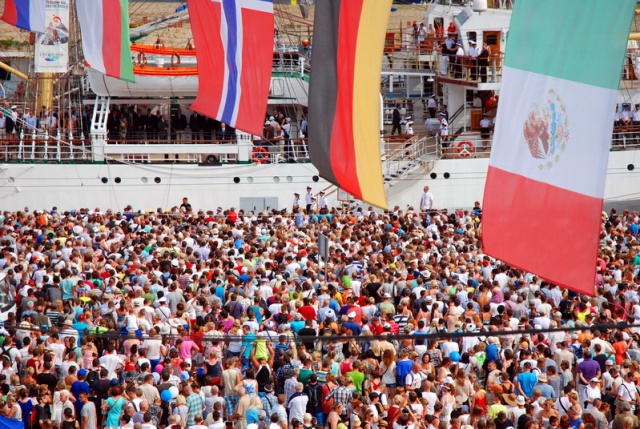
<point>239,46</point>
<point>90,16</point>
<point>261,6</point>
<point>581,166</point>
<point>223,34</point>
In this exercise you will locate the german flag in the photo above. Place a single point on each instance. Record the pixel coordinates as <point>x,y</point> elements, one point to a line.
<point>344,95</point>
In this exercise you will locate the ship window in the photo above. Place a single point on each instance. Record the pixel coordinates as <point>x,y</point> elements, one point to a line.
<point>469,95</point>
<point>491,39</point>
<point>472,35</point>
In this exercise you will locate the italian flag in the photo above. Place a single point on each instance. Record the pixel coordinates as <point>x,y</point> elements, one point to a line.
<point>105,36</point>
<point>544,191</point>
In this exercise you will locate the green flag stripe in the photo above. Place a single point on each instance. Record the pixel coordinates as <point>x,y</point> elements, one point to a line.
<point>578,40</point>
<point>126,64</point>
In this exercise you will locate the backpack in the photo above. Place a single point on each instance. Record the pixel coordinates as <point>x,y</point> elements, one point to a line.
<point>92,377</point>
<point>5,354</point>
<point>312,392</point>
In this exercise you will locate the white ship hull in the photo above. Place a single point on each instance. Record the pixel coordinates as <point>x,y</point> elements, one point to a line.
<point>265,186</point>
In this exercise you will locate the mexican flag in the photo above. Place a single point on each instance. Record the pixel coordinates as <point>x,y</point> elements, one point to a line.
<point>544,191</point>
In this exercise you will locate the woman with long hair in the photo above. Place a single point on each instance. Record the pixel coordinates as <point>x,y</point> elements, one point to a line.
<point>479,399</point>
<point>387,371</point>
<point>448,402</point>
<point>113,406</point>
<point>464,389</point>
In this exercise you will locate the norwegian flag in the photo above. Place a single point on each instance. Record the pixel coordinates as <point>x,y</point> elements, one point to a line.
<point>234,42</point>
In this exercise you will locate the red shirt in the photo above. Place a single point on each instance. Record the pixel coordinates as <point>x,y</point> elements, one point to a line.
<point>308,312</point>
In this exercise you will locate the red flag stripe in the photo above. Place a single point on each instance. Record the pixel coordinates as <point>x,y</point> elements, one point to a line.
<point>343,156</point>
<point>537,229</point>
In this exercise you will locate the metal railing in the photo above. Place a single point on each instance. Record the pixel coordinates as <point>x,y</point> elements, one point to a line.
<point>40,146</point>
<point>285,63</point>
<point>466,145</point>
<point>420,150</point>
<point>207,151</point>
<point>469,69</point>
<point>410,56</point>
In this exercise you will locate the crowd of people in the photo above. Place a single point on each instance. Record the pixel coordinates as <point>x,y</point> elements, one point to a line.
<point>230,319</point>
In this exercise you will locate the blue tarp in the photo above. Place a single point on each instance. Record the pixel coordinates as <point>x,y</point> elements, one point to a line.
<point>6,423</point>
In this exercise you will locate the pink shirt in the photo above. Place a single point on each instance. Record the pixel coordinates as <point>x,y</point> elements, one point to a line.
<point>185,348</point>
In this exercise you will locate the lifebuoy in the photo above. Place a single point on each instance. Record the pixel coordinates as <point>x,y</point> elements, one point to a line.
<point>465,148</point>
<point>212,159</point>
<point>175,59</point>
<point>142,58</point>
<point>260,155</point>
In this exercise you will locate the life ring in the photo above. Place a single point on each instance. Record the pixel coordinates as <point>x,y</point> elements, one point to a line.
<point>142,58</point>
<point>175,59</point>
<point>465,148</point>
<point>260,155</point>
<point>212,159</point>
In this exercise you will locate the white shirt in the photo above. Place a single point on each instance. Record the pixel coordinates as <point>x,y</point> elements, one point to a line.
<point>111,363</point>
<point>426,201</point>
<point>298,407</point>
<point>307,198</point>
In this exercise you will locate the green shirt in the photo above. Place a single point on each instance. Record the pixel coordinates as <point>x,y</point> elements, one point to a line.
<point>358,379</point>
<point>304,374</point>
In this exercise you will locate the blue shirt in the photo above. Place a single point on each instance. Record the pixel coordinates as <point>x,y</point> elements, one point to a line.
<point>77,388</point>
<point>251,415</point>
<point>492,353</point>
<point>220,292</point>
<point>403,368</point>
<point>80,327</point>
<point>296,325</point>
<point>353,326</point>
<point>546,390</point>
<point>527,382</point>
<point>247,341</point>
<point>67,288</point>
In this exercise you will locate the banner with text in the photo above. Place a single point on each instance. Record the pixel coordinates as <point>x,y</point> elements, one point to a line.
<point>52,47</point>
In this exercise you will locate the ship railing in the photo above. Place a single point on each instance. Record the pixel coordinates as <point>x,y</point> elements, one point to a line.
<point>203,149</point>
<point>410,56</point>
<point>409,154</point>
<point>625,137</point>
<point>465,145</point>
<point>286,63</point>
<point>57,146</point>
<point>467,69</point>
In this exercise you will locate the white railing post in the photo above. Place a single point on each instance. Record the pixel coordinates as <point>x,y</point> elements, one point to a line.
<point>84,148</point>
<point>20,147</point>
<point>33,146</point>
<point>58,145</point>
<point>70,144</point>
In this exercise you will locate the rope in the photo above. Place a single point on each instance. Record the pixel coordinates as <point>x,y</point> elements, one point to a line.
<point>359,338</point>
